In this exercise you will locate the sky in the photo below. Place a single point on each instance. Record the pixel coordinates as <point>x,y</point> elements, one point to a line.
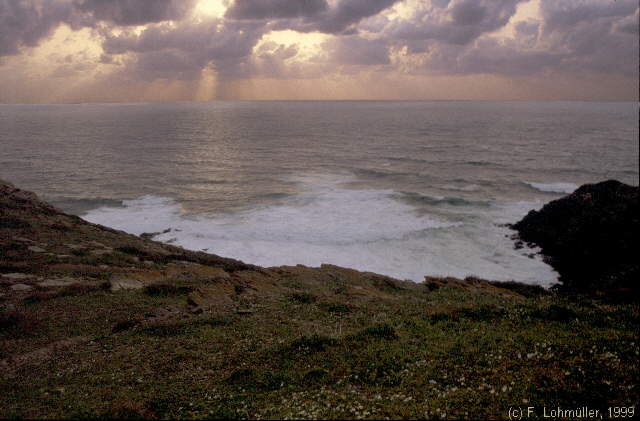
<point>76,51</point>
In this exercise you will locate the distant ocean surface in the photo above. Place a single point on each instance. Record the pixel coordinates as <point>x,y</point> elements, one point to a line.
<point>406,189</point>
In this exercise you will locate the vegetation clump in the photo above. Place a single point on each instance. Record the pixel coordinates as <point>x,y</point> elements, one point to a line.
<point>378,331</point>
<point>313,343</point>
<point>303,298</point>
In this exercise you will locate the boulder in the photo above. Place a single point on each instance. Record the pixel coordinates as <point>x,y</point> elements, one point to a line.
<point>589,237</point>
<point>62,282</point>
<point>120,284</point>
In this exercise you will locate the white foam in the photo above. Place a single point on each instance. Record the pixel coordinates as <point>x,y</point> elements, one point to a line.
<point>553,187</point>
<point>362,229</point>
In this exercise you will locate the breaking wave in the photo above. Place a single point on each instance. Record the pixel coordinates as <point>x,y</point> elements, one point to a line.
<point>368,230</point>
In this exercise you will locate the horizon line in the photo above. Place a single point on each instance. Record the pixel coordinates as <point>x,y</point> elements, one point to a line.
<point>315,100</point>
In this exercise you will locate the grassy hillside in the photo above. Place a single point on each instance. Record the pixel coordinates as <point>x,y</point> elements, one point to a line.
<point>99,323</point>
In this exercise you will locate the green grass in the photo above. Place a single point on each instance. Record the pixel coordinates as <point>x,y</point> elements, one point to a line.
<point>443,353</point>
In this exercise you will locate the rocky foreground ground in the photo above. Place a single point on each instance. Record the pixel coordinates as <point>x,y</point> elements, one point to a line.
<point>99,323</point>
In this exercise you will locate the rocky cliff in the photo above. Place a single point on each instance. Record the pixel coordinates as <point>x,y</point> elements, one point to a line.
<point>590,237</point>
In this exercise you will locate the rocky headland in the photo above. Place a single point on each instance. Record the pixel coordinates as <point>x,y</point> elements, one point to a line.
<point>591,238</point>
<point>96,322</point>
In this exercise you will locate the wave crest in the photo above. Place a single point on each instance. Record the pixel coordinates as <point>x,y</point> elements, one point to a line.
<point>563,188</point>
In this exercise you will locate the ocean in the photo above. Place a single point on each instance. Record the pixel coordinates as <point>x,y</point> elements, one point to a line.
<point>405,189</point>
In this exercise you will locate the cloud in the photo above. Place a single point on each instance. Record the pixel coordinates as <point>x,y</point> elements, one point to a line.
<point>348,13</point>
<point>272,60</point>
<point>629,24</point>
<point>560,15</point>
<point>275,9</point>
<point>309,15</point>
<point>592,35</point>
<point>454,22</point>
<point>411,37</point>
<point>354,50</point>
<point>70,70</point>
<point>166,64</point>
<point>135,12</point>
<point>26,23</point>
<point>574,37</point>
<point>447,37</point>
<point>183,50</point>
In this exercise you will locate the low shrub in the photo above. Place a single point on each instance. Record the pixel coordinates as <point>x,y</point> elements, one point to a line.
<point>302,298</point>
<point>379,331</point>
<point>315,375</point>
<point>123,325</point>
<point>314,343</point>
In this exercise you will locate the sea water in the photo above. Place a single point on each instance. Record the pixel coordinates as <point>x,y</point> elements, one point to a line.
<point>405,189</point>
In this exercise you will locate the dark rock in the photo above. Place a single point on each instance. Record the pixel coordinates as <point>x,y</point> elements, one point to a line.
<point>150,235</point>
<point>526,290</point>
<point>589,237</point>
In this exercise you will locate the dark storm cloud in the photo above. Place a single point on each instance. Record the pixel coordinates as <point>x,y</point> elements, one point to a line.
<point>455,22</point>
<point>212,38</point>
<point>566,13</point>
<point>588,35</point>
<point>573,37</point>
<point>348,13</point>
<point>309,15</point>
<point>275,9</point>
<point>26,23</point>
<point>163,51</point>
<point>181,52</point>
<point>135,12</point>
<point>445,36</point>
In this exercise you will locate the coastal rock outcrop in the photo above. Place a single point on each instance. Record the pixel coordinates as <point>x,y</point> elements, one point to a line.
<point>590,237</point>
